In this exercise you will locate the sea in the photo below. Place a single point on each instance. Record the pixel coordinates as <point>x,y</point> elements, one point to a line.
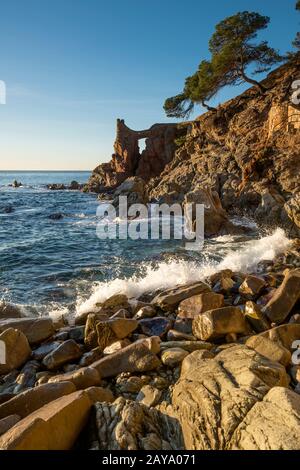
<point>51,266</point>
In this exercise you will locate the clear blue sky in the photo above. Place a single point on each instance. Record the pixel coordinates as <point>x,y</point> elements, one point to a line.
<point>73,66</point>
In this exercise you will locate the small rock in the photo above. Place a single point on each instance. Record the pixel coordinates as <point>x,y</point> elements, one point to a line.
<point>157,326</point>
<point>114,347</point>
<point>145,312</point>
<point>184,325</point>
<point>131,384</point>
<point>174,335</point>
<point>17,350</point>
<point>149,396</point>
<point>171,298</point>
<point>65,352</point>
<point>255,317</point>
<point>252,286</point>
<point>173,356</point>
<point>82,378</point>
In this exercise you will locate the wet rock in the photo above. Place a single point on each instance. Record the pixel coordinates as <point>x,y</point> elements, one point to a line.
<point>220,392</point>
<point>74,186</point>
<point>157,326</point>
<point>201,303</point>
<point>65,352</point>
<point>17,350</point>
<point>77,333</point>
<point>269,349</point>
<point>170,299</point>
<point>145,312</point>
<point>82,378</point>
<point>137,357</point>
<point>27,377</point>
<point>35,329</point>
<point>8,310</point>
<point>255,317</point>
<point>149,396</point>
<point>61,336</point>
<point>285,297</point>
<point>184,325</point>
<point>42,351</point>
<point>8,422</point>
<point>69,414</point>
<point>28,401</point>
<point>114,303</point>
<point>271,424</point>
<point>252,286</point>
<point>56,216</point>
<point>171,357</point>
<point>218,323</point>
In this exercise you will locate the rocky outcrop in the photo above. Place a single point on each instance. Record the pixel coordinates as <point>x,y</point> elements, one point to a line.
<point>128,161</point>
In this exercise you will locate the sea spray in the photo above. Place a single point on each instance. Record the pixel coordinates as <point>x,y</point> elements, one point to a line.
<point>175,272</point>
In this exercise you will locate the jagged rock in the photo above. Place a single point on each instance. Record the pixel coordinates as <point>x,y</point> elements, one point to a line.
<point>8,422</point>
<point>171,357</point>
<point>252,286</point>
<point>217,323</point>
<point>157,326</point>
<point>149,396</point>
<point>220,392</point>
<point>137,357</point>
<point>65,352</point>
<point>17,350</point>
<point>255,317</point>
<point>285,297</point>
<point>134,189</point>
<point>271,424</point>
<point>201,303</point>
<point>269,349</point>
<point>169,299</point>
<point>27,402</point>
<point>35,329</point>
<point>107,332</point>
<point>55,426</point>
<point>128,425</point>
<point>82,378</point>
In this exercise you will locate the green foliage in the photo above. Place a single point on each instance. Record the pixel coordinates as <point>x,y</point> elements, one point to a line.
<point>297,40</point>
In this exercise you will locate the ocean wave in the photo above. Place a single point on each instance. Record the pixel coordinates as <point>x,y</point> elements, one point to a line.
<point>175,272</point>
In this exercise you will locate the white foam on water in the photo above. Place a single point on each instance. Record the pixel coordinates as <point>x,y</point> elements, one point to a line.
<point>169,274</point>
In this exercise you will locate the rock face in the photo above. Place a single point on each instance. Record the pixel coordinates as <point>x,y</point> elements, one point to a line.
<point>17,350</point>
<point>221,392</point>
<point>128,161</point>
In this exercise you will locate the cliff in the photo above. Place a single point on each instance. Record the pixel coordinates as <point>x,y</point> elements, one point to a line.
<point>248,152</point>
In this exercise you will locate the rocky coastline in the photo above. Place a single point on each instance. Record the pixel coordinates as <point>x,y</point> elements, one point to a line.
<point>212,365</point>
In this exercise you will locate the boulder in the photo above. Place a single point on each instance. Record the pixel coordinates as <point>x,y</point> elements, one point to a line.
<point>271,424</point>
<point>169,299</point>
<point>27,402</point>
<point>213,396</point>
<point>149,395</point>
<point>219,322</point>
<point>137,357</point>
<point>42,351</point>
<point>283,334</point>
<point>8,310</point>
<point>193,306</point>
<point>90,357</point>
<point>186,345</point>
<point>35,329</point>
<point>145,312</point>
<point>114,347</point>
<point>269,349</point>
<point>82,378</point>
<point>171,357</point>
<point>27,376</point>
<point>107,332</point>
<point>255,317</point>
<point>55,426</point>
<point>284,299</point>
<point>17,350</point>
<point>252,286</point>
<point>194,359</point>
<point>8,422</point>
<point>157,326</point>
<point>66,352</point>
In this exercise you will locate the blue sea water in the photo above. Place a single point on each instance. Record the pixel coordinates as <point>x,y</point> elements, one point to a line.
<point>55,265</point>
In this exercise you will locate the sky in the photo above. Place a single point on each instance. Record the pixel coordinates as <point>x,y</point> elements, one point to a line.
<point>72,67</point>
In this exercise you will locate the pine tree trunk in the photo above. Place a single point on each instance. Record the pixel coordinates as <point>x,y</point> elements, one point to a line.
<point>209,108</point>
<point>258,85</point>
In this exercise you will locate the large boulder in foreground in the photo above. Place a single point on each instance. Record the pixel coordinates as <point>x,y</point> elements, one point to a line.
<point>17,350</point>
<point>271,424</point>
<point>35,329</point>
<point>55,426</point>
<point>214,396</point>
<point>284,299</point>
